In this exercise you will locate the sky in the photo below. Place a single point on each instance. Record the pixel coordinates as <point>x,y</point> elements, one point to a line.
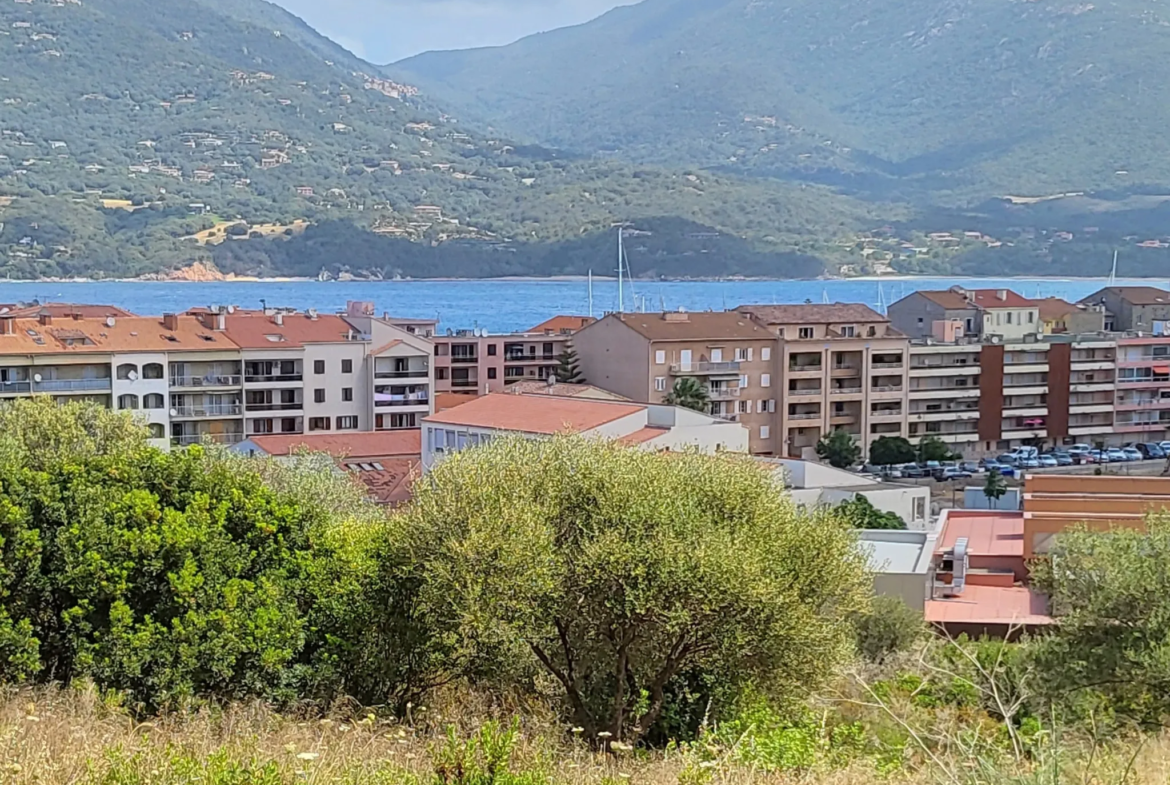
<point>383,31</point>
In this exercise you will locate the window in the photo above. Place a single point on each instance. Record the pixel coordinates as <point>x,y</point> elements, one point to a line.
<point>921,321</point>
<point>262,426</point>
<point>440,374</point>
<point>741,355</point>
<point>750,352</point>
<point>347,366</point>
<point>347,423</point>
<point>318,396</point>
<point>127,401</point>
<point>153,401</point>
<point>1009,317</point>
<point>716,355</point>
<point>660,383</point>
<point>318,423</point>
<point>347,394</point>
<point>318,367</point>
<point>848,331</point>
<point>157,431</point>
<point>744,381</point>
<point>152,371</point>
<point>289,425</point>
<point>491,373</point>
<point>766,353</point>
<point>1031,317</point>
<point>771,406</point>
<point>124,371</point>
<point>491,350</point>
<point>765,432</point>
<point>761,406</point>
<point>745,407</point>
<point>765,380</point>
<point>660,357</point>
<point>806,333</point>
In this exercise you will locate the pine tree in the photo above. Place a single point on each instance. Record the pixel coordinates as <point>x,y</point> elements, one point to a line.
<point>568,368</point>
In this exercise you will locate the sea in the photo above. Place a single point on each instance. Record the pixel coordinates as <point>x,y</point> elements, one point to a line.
<point>518,304</point>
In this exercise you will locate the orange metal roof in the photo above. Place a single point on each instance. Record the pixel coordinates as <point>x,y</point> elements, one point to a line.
<point>97,336</point>
<point>559,324</point>
<point>990,605</point>
<point>534,413</point>
<point>987,533</point>
<point>251,330</point>
<point>350,446</point>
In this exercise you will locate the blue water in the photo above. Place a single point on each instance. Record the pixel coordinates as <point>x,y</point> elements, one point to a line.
<point>501,306</point>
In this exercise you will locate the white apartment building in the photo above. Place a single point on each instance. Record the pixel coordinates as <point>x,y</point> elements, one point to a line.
<point>223,374</point>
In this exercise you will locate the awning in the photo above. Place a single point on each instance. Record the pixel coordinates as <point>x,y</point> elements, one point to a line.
<point>1162,369</point>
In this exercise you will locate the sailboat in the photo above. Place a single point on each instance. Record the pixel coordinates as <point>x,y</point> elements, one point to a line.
<point>623,269</point>
<point>1113,272</point>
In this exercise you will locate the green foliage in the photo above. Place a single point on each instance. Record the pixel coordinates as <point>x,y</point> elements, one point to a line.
<point>1111,596</point>
<point>483,759</point>
<point>932,448</point>
<point>568,367</point>
<point>839,449</point>
<point>689,393</point>
<point>860,513</point>
<point>169,576</point>
<point>769,740</point>
<point>890,450</point>
<point>616,571</point>
<point>888,627</point>
<point>995,487</point>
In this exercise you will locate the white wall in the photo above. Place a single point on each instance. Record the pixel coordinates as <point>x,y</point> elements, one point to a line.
<point>142,387</point>
<point>333,381</point>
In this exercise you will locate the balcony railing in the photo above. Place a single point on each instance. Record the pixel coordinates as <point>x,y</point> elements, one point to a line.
<point>723,392</point>
<point>208,380</point>
<point>296,406</point>
<point>464,359</point>
<point>887,366</point>
<point>408,374</point>
<point>706,367</point>
<point>806,368</point>
<point>465,383</point>
<point>846,391</point>
<point>887,389</point>
<point>222,410</point>
<point>12,388</point>
<point>212,438</point>
<point>805,393</point>
<point>273,378</point>
<point>804,416</point>
<point>409,399</point>
<point>71,385</point>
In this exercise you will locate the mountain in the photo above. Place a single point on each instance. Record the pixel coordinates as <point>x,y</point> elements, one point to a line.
<point>144,135</point>
<point>942,101</point>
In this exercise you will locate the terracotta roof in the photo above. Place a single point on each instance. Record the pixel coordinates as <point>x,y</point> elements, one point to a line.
<point>989,298</point>
<point>1054,308</point>
<point>987,533</point>
<point>363,444</point>
<point>562,390</point>
<point>251,330</point>
<point>449,400</point>
<point>812,314</point>
<point>543,414</point>
<point>1135,295</point>
<point>952,301</point>
<point>560,324</point>
<point>393,484</point>
<point>718,325</point>
<point>98,336</point>
<point>63,310</point>
<point>643,436</point>
<point>990,605</point>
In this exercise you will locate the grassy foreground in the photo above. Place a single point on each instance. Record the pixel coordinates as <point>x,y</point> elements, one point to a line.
<point>73,737</point>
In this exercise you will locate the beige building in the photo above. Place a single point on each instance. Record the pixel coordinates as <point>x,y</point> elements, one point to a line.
<point>641,356</point>
<point>840,367</point>
<point>980,312</point>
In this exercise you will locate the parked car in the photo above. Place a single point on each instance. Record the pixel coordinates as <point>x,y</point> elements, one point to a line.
<point>1007,459</point>
<point>1165,447</point>
<point>1062,458</point>
<point>971,466</point>
<point>951,473</point>
<point>1115,455</point>
<point>989,463</point>
<point>1096,456</point>
<point>1030,463</point>
<point>1048,461</point>
<point>1151,451</point>
<point>913,470</point>
<point>1132,454</point>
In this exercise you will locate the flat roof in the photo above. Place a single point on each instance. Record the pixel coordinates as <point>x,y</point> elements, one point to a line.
<point>990,605</point>
<point>890,551</point>
<point>988,533</point>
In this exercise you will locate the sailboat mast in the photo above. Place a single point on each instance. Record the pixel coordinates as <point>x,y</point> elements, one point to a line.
<point>621,284</point>
<point>1113,272</point>
<point>591,294</point>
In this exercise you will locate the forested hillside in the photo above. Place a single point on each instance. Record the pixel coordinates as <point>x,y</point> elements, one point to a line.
<point>143,135</point>
<point>945,102</point>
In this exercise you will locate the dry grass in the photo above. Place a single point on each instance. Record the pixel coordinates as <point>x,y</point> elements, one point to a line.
<point>73,737</point>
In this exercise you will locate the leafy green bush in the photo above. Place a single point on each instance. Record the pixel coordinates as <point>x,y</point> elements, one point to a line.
<point>888,627</point>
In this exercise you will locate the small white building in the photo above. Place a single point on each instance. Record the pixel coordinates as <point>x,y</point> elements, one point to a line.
<point>649,426</point>
<point>815,484</point>
<point>900,562</point>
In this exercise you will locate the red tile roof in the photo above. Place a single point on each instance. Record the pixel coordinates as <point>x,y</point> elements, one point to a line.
<point>393,484</point>
<point>542,414</point>
<point>987,533</point>
<point>983,298</point>
<point>722,325</point>
<point>561,324</point>
<point>363,444</point>
<point>952,301</point>
<point>643,436</point>
<point>252,330</point>
<point>449,400</point>
<point>63,310</point>
<point>812,314</point>
<point>99,336</point>
<point>990,605</point>
<point>1053,309</point>
<point>1134,295</point>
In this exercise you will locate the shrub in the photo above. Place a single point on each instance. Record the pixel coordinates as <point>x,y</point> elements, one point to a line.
<point>888,627</point>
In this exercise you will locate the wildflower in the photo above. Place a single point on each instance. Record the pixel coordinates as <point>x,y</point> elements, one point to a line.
<point>370,719</point>
<point>32,718</point>
<point>707,764</point>
<point>578,730</point>
<point>308,755</point>
<point>604,734</point>
<point>620,746</point>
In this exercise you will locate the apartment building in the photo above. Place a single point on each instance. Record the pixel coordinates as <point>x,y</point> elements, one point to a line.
<point>475,361</point>
<point>1144,309</point>
<point>981,312</point>
<point>641,356</point>
<point>840,367</point>
<point>224,374</point>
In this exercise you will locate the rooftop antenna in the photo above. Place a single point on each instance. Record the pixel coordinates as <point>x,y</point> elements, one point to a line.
<point>263,304</point>
<point>1113,272</point>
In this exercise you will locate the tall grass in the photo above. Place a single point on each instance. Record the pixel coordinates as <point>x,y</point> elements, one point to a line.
<point>75,738</point>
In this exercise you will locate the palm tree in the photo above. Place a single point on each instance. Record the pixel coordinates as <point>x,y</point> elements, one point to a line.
<point>689,393</point>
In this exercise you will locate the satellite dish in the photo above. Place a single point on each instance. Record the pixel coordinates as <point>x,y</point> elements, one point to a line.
<point>37,378</point>
<point>132,376</point>
<point>174,412</point>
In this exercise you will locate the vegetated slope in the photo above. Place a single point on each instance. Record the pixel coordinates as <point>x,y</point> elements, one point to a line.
<point>130,125</point>
<point>958,99</point>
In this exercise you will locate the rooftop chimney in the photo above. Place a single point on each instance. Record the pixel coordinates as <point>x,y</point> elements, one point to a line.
<point>1002,294</point>
<point>45,318</point>
<point>278,318</point>
<point>7,325</point>
<point>171,321</point>
<point>220,322</point>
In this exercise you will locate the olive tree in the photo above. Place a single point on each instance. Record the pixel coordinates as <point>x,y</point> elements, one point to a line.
<point>616,571</point>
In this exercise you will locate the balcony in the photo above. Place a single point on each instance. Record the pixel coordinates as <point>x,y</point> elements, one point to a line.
<point>722,393</point>
<point>889,389</point>
<point>274,378</point>
<point>414,373</point>
<point>469,383</point>
<point>209,438</point>
<point>727,417</point>
<point>210,412</point>
<point>837,391</point>
<point>804,416</point>
<point>886,414</point>
<point>845,370</point>
<point>706,369</point>
<point>463,359</point>
<point>888,366</point>
<point>407,399</point>
<point>792,369</point>
<point>296,406</point>
<point>806,393</point>
<point>72,385</point>
<point>208,380</point>
<point>15,388</point>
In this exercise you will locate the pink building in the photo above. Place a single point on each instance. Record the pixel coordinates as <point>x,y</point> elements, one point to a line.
<point>473,361</point>
<point>1143,388</point>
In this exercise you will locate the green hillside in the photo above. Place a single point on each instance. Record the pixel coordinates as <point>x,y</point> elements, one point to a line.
<point>951,101</point>
<point>129,127</point>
